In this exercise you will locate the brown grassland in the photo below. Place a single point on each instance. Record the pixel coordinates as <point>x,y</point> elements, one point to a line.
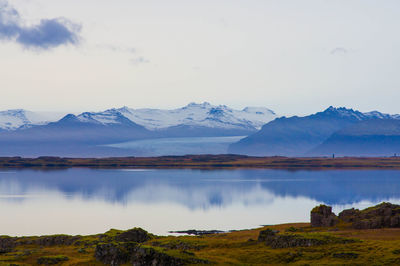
<point>205,162</point>
<point>370,247</point>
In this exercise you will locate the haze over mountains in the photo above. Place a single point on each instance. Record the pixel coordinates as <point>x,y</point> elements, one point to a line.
<point>87,133</point>
<point>339,131</point>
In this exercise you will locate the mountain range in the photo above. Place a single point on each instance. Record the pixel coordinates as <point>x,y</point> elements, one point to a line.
<point>334,131</point>
<point>30,134</point>
<point>193,115</point>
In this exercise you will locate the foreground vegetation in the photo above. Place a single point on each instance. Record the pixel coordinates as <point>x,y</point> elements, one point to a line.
<point>204,162</point>
<point>297,244</point>
<point>337,246</point>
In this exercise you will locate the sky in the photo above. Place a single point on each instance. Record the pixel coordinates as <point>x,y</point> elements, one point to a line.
<point>294,57</point>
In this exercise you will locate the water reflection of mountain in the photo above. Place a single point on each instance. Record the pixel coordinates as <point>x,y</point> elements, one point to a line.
<point>203,189</point>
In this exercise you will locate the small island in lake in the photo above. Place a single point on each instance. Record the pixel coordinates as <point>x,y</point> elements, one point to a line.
<point>369,237</point>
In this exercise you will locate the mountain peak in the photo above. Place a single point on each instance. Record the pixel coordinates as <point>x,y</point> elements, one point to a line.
<point>124,109</point>
<point>69,118</point>
<point>199,114</point>
<point>339,110</point>
<point>201,105</point>
<point>13,111</point>
<point>16,118</point>
<point>258,110</point>
<point>343,112</point>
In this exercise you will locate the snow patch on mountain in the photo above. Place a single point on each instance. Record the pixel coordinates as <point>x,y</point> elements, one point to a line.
<point>107,117</point>
<point>203,114</point>
<point>345,112</point>
<point>13,119</point>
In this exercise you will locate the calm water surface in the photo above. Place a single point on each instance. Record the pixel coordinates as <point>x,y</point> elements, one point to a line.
<point>86,201</point>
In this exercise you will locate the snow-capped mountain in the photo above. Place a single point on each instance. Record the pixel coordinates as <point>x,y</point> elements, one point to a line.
<point>25,133</point>
<point>205,115</point>
<point>345,112</point>
<point>295,136</point>
<point>107,117</point>
<point>193,115</point>
<point>14,119</point>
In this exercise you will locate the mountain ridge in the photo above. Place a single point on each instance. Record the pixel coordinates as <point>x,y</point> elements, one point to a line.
<point>296,136</point>
<point>192,115</point>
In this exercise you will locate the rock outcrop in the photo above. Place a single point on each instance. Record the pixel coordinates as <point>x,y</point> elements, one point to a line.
<point>115,254</point>
<point>7,244</point>
<point>128,247</point>
<point>384,215</point>
<point>287,240</point>
<point>137,235</point>
<point>322,216</point>
<point>349,215</point>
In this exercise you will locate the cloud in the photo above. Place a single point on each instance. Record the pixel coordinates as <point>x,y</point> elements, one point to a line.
<point>115,48</point>
<point>47,34</point>
<point>339,51</point>
<point>139,60</point>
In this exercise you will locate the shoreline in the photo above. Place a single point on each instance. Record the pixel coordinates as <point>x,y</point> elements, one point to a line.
<point>203,162</point>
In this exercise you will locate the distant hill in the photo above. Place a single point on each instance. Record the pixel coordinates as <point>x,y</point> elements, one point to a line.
<point>376,137</point>
<point>296,136</point>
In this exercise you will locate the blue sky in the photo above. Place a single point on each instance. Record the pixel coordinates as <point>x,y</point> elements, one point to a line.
<point>295,57</point>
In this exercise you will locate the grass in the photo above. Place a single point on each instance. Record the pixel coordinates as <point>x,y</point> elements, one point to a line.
<point>371,247</point>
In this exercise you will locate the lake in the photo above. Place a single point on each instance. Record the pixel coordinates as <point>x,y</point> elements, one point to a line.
<point>88,201</point>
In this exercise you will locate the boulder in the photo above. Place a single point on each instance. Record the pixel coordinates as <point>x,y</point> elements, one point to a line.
<point>322,216</point>
<point>133,235</point>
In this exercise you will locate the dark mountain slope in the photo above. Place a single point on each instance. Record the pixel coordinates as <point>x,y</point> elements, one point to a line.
<point>294,136</point>
<point>377,137</point>
<point>71,136</point>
